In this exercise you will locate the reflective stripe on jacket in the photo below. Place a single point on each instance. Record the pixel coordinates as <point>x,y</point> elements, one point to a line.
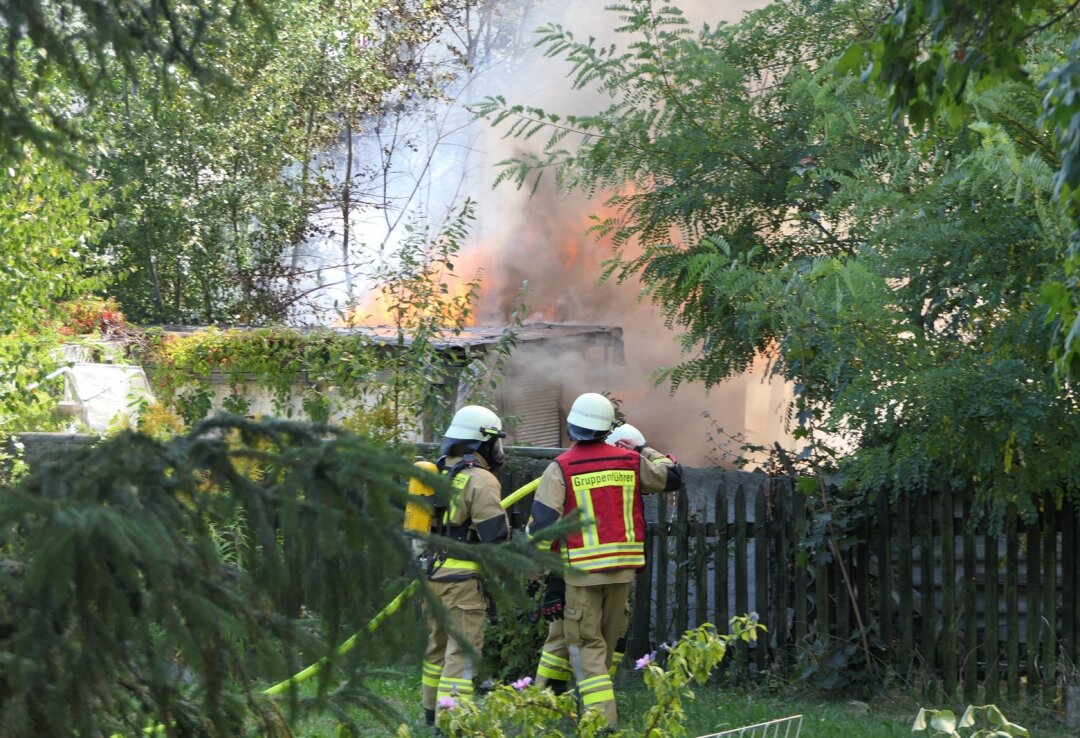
<point>603,483</point>
<point>457,483</point>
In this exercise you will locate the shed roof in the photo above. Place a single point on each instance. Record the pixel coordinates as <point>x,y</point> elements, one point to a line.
<point>479,337</point>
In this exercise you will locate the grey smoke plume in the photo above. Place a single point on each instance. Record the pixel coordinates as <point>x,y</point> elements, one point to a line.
<point>542,240</point>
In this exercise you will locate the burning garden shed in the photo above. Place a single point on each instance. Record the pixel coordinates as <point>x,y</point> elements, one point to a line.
<point>538,369</point>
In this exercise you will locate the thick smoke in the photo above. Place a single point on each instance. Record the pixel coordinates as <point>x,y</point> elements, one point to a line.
<point>542,240</point>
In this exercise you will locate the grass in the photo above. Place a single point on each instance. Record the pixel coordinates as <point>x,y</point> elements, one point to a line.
<point>717,708</point>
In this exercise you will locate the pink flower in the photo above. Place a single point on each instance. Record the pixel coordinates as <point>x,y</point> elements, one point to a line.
<point>520,684</point>
<point>645,660</point>
<point>447,703</point>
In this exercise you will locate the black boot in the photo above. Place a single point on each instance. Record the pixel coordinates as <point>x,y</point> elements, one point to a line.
<point>557,686</point>
<point>429,717</point>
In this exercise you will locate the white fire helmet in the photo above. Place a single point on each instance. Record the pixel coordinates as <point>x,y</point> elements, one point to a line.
<point>591,417</point>
<point>628,432</point>
<point>474,423</point>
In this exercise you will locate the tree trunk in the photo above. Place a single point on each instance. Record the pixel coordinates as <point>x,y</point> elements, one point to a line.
<point>346,208</point>
<point>151,268</point>
<point>305,178</point>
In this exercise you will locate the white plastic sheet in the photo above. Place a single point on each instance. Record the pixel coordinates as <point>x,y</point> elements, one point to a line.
<point>109,394</point>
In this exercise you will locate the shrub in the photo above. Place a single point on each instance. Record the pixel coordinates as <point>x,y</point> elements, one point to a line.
<point>522,710</point>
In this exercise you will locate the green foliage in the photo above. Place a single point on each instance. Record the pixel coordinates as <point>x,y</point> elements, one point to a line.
<point>166,583</point>
<point>278,359</point>
<point>944,723</point>
<point>47,217</point>
<point>213,128</point>
<point>929,57</point>
<point>892,276</point>
<point>512,643</point>
<point>81,43</point>
<point>382,382</point>
<point>525,711</point>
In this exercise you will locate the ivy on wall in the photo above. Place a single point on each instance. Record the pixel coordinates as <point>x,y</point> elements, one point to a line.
<point>335,373</point>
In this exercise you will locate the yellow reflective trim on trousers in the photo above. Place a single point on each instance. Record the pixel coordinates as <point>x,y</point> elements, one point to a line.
<point>600,680</point>
<point>452,682</point>
<point>593,698</point>
<point>459,564</point>
<point>553,667</point>
<point>432,673</point>
<point>546,657</point>
<point>449,686</point>
<point>552,673</point>
<point>596,689</point>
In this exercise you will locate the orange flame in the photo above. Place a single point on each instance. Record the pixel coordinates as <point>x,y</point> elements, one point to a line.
<point>449,298</point>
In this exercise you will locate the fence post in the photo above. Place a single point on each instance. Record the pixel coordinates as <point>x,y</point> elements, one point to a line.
<point>642,615</point>
<point>883,526</point>
<point>701,569</point>
<point>781,501</point>
<point>1012,604</point>
<point>1049,606</point>
<point>662,633</point>
<point>948,592</point>
<point>798,519</point>
<point>905,583</point>
<point>968,594</point>
<point>761,572</point>
<point>1069,574</point>
<point>928,619</point>
<point>1033,598</point>
<point>742,596</point>
<point>682,561</point>
<point>821,592</point>
<point>992,632</point>
<point>723,616</point>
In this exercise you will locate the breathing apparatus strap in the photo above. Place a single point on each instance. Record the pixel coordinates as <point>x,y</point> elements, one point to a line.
<point>440,522</point>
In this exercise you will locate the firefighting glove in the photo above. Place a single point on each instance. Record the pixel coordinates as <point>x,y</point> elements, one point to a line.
<point>554,599</point>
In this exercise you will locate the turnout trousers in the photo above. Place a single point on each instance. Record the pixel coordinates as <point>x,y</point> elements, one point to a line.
<point>448,665</point>
<point>555,656</point>
<point>595,617</point>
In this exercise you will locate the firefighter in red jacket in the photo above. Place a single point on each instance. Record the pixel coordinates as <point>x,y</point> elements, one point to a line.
<point>554,669</point>
<point>603,484</point>
<point>472,449</point>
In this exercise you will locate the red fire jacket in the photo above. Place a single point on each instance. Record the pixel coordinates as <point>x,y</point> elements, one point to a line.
<point>602,481</point>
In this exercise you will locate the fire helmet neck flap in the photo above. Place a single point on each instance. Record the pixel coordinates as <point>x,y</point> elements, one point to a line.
<point>591,417</point>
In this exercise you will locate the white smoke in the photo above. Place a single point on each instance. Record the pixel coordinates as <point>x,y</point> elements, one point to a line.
<point>542,239</point>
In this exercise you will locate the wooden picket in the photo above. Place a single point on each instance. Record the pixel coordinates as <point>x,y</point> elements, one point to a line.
<point>967,612</point>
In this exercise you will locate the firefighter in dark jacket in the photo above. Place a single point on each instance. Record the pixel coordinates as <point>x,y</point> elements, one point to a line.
<point>604,485</point>
<point>471,449</point>
<point>554,669</point>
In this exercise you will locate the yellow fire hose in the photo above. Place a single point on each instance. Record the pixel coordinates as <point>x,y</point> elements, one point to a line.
<point>348,645</point>
<point>390,609</point>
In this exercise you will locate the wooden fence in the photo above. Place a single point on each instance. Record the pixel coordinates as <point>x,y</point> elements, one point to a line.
<point>925,594</point>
